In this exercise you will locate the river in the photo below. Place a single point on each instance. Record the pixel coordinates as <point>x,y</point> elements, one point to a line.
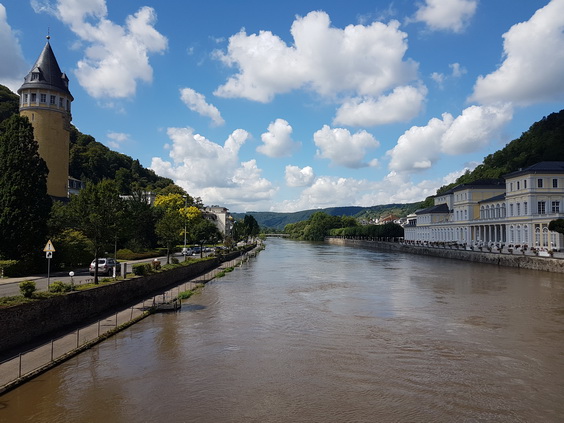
<point>311,332</point>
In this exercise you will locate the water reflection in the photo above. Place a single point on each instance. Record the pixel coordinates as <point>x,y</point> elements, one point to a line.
<point>318,333</point>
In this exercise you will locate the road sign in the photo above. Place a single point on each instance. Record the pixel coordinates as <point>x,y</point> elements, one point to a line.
<point>48,254</point>
<point>49,247</point>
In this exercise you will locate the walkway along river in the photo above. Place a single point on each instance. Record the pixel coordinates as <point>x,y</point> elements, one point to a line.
<point>324,333</point>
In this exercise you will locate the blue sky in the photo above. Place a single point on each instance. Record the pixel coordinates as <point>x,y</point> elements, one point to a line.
<point>294,105</point>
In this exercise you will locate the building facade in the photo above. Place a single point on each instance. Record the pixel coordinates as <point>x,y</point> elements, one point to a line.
<point>221,217</point>
<point>46,101</point>
<point>514,211</point>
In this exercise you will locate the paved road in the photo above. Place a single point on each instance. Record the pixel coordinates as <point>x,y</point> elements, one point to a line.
<point>10,286</point>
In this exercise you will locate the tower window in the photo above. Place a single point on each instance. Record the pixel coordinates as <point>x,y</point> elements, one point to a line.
<point>26,98</point>
<point>539,183</point>
<point>52,99</point>
<point>555,183</point>
<point>61,102</point>
<point>43,98</point>
<point>33,97</point>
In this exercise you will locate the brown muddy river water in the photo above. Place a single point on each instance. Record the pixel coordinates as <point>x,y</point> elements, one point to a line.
<point>321,333</point>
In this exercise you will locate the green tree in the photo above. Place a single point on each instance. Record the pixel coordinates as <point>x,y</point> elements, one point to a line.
<point>99,212</point>
<point>74,249</point>
<point>9,103</point>
<point>24,203</point>
<point>251,226</point>
<point>556,226</point>
<point>205,232</point>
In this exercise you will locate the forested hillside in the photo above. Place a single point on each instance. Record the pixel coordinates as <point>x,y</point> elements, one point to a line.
<point>544,141</point>
<point>92,161</point>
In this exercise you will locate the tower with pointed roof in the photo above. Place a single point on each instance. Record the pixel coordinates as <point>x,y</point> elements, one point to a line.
<point>46,100</point>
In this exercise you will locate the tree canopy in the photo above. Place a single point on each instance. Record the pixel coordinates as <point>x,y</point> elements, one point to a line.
<point>24,203</point>
<point>318,226</point>
<point>99,214</point>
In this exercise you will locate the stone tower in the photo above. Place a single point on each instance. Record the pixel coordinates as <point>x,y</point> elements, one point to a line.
<point>46,100</point>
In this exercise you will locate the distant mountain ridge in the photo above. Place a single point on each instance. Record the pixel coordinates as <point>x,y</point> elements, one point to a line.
<point>278,220</point>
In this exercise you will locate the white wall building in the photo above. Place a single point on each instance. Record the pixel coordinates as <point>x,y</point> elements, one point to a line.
<point>221,217</point>
<point>516,210</point>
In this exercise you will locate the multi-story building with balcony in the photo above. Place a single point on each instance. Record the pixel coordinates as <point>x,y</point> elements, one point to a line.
<point>514,210</point>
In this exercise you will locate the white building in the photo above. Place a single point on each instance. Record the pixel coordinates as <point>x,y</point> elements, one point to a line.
<point>516,210</point>
<point>221,217</point>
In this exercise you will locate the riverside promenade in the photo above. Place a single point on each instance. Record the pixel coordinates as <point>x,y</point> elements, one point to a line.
<point>24,365</point>
<point>524,258</point>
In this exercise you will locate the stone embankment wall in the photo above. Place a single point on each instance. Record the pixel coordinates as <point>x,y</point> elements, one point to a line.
<point>512,260</point>
<point>26,323</point>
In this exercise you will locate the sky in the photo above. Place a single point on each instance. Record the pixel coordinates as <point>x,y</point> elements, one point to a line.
<point>293,105</point>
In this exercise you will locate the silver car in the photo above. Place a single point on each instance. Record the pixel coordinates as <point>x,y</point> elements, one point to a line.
<point>106,266</point>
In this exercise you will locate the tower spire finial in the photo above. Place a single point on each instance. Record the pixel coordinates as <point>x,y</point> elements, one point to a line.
<point>48,34</point>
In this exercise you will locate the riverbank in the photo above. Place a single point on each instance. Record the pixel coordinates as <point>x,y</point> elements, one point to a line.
<point>28,363</point>
<point>499,258</point>
<point>22,324</point>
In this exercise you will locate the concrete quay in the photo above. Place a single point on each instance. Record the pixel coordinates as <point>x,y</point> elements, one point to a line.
<point>519,259</point>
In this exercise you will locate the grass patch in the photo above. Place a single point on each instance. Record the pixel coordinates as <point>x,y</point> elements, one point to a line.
<point>224,272</point>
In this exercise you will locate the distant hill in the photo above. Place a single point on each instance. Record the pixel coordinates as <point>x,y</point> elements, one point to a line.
<point>278,221</point>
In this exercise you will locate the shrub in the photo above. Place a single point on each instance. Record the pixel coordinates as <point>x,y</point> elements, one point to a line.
<point>174,260</point>
<point>125,254</point>
<point>27,288</point>
<point>141,269</point>
<point>60,287</point>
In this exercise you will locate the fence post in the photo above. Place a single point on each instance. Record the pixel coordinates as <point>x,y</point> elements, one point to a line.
<point>77,337</point>
<point>20,367</point>
<point>116,319</point>
<point>98,328</point>
<point>52,348</point>
<point>131,318</point>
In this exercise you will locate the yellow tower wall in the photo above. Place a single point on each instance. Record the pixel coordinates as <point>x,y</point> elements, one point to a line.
<point>50,129</point>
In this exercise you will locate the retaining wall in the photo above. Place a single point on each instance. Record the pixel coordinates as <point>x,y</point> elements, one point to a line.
<point>25,323</point>
<point>511,260</point>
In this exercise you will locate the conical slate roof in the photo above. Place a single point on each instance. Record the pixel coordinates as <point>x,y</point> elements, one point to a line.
<point>50,75</point>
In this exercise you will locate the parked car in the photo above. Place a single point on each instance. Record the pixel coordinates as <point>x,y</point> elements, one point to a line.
<point>106,266</point>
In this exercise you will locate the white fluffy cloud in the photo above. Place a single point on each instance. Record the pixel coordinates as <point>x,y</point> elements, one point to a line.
<point>363,60</point>
<point>278,140</point>
<point>327,191</point>
<point>402,104</point>
<point>421,146</point>
<point>12,64</point>
<point>214,172</point>
<point>343,148</point>
<point>475,128</point>
<point>534,61</point>
<point>116,57</point>
<point>296,177</point>
<point>446,15</point>
<point>197,103</point>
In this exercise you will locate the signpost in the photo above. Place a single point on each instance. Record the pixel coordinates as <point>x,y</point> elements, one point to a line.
<point>49,250</point>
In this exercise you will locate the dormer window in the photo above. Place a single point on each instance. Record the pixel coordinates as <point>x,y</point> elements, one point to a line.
<point>35,76</point>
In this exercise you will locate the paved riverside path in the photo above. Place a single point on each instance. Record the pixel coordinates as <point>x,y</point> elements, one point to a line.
<point>28,364</point>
